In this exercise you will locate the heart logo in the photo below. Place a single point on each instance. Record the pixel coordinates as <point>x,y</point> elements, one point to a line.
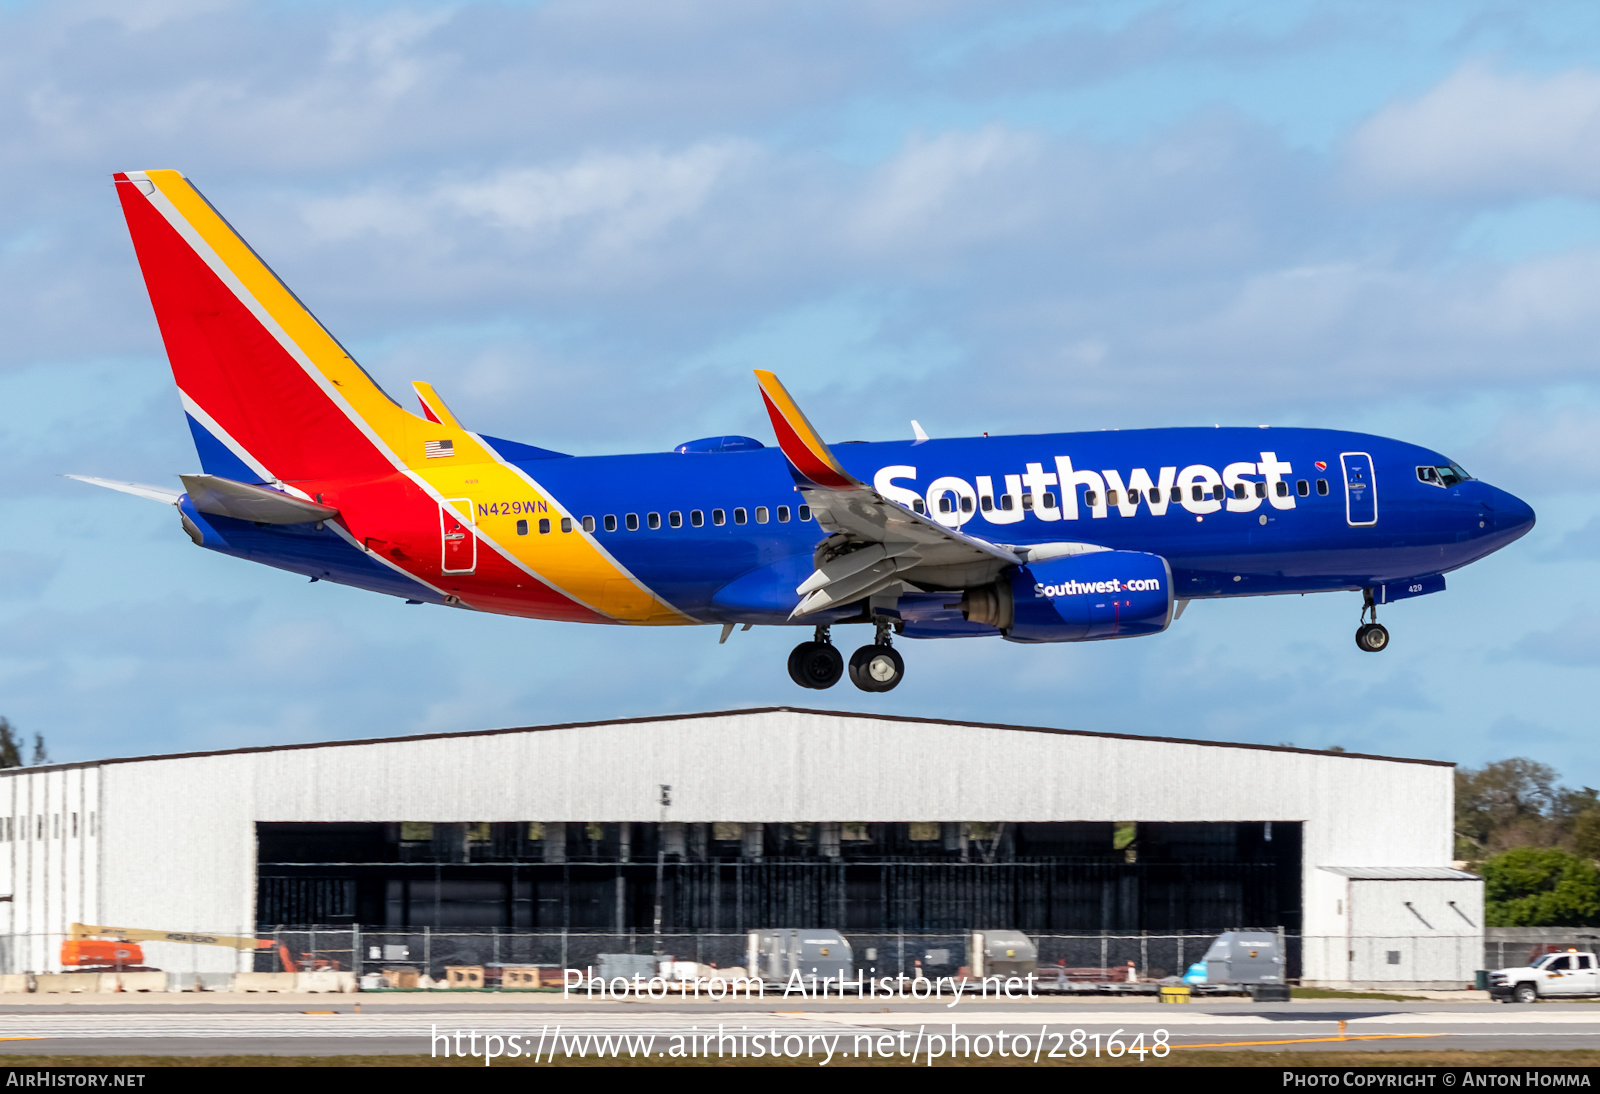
<point>1322,465</point>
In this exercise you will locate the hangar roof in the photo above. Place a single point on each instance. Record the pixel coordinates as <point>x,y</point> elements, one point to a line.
<point>732,714</point>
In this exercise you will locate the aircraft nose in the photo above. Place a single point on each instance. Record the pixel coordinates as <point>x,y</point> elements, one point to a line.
<point>1513,517</point>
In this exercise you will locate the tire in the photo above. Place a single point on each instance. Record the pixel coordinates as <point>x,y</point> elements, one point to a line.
<point>876,668</point>
<point>815,665</point>
<point>1525,993</point>
<point>1372,637</point>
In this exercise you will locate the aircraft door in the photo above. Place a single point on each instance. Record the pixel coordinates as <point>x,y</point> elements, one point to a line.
<point>1360,489</point>
<point>460,545</point>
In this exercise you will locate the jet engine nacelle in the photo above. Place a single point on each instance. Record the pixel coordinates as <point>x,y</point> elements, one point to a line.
<point>1106,594</point>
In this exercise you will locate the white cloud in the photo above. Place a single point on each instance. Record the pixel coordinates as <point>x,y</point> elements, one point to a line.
<point>1485,132</point>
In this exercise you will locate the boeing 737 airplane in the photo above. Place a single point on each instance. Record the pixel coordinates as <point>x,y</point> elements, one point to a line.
<point>307,465</point>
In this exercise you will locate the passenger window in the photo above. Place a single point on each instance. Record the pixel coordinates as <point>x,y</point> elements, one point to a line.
<point>1322,487</point>
<point>544,526</point>
<point>588,524</point>
<point>1217,491</point>
<point>1197,492</point>
<point>718,517</point>
<point>1090,498</point>
<point>1049,500</point>
<point>697,517</point>
<point>918,507</point>
<point>761,514</point>
<point>944,504</point>
<point>1238,490</point>
<point>1133,497</point>
<point>783,514</point>
<point>1111,497</point>
<point>1027,500</point>
<point>966,504</point>
<point>566,524</point>
<point>1282,489</point>
<point>986,503</point>
<point>740,515</point>
<point>654,520</point>
<point>1177,494</point>
<point>675,519</point>
<point>1261,489</point>
<point>1006,503</point>
<point>631,521</point>
<point>522,527</point>
<point>805,512</point>
<point>611,523</point>
<point>1303,488</point>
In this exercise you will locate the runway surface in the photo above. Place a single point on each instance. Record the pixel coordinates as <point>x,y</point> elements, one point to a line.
<point>330,1025</point>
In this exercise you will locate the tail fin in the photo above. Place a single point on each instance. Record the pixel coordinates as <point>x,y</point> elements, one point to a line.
<point>270,394</point>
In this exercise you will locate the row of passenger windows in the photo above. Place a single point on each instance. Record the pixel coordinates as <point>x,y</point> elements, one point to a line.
<point>1091,498</point>
<point>19,828</point>
<point>674,519</point>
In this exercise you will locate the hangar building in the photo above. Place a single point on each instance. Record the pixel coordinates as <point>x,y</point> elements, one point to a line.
<point>777,817</point>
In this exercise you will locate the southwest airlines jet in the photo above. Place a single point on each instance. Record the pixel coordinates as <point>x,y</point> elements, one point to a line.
<point>307,465</point>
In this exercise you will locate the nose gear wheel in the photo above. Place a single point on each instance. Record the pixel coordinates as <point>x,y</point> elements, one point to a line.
<point>1371,637</point>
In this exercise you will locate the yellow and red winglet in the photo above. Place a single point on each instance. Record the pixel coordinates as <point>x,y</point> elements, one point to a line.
<point>809,458</point>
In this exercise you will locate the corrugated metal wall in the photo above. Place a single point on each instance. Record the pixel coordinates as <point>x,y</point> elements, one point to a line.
<point>51,832</point>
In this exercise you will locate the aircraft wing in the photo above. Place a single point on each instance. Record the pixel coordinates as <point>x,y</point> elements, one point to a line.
<point>887,538</point>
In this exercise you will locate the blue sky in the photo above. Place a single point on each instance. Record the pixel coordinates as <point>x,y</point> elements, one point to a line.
<point>586,222</point>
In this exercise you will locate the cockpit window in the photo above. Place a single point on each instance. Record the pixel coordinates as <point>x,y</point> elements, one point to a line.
<point>1443,476</point>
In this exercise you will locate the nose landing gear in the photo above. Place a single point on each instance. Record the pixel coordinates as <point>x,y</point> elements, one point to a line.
<point>816,664</point>
<point>1371,637</point>
<point>877,667</point>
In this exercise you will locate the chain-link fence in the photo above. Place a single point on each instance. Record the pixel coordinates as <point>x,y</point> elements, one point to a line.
<point>1082,957</point>
<point>1093,956</point>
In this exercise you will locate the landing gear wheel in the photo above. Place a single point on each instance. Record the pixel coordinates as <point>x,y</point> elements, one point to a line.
<point>876,668</point>
<point>1372,637</point>
<point>816,665</point>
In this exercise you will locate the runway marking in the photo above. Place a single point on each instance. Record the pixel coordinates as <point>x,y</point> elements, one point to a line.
<point>1318,1040</point>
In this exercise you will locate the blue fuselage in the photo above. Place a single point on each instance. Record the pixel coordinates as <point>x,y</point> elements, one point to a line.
<point>1235,512</point>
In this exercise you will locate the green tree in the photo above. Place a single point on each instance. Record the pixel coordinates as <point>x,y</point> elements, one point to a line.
<point>1515,803</point>
<point>40,754</point>
<point>1586,833</point>
<point>1540,887</point>
<point>10,744</point>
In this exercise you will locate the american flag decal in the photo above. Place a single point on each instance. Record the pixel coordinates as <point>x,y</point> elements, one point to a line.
<point>435,449</point>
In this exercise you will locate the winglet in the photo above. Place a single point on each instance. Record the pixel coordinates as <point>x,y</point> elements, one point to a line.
<point>809,458</point>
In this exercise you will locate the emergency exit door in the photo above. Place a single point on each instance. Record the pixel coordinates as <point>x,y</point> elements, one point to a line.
<point>1360,489</point>
<point>459,547</point>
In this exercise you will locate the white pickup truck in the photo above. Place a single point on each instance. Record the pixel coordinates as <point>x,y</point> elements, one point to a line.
<point>1553,976</point>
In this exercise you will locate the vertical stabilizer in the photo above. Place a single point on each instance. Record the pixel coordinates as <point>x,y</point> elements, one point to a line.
<point>269,392</point>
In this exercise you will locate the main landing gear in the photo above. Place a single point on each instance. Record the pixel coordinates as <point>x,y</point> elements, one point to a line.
<point>817,664</point>
<point>1372,637</point>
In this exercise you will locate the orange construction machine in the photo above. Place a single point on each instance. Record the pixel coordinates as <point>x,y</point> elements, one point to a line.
<point>118,947</point>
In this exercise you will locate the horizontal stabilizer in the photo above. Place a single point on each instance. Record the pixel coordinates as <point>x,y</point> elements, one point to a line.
<point>226,498</point>
<point>138,489</point>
